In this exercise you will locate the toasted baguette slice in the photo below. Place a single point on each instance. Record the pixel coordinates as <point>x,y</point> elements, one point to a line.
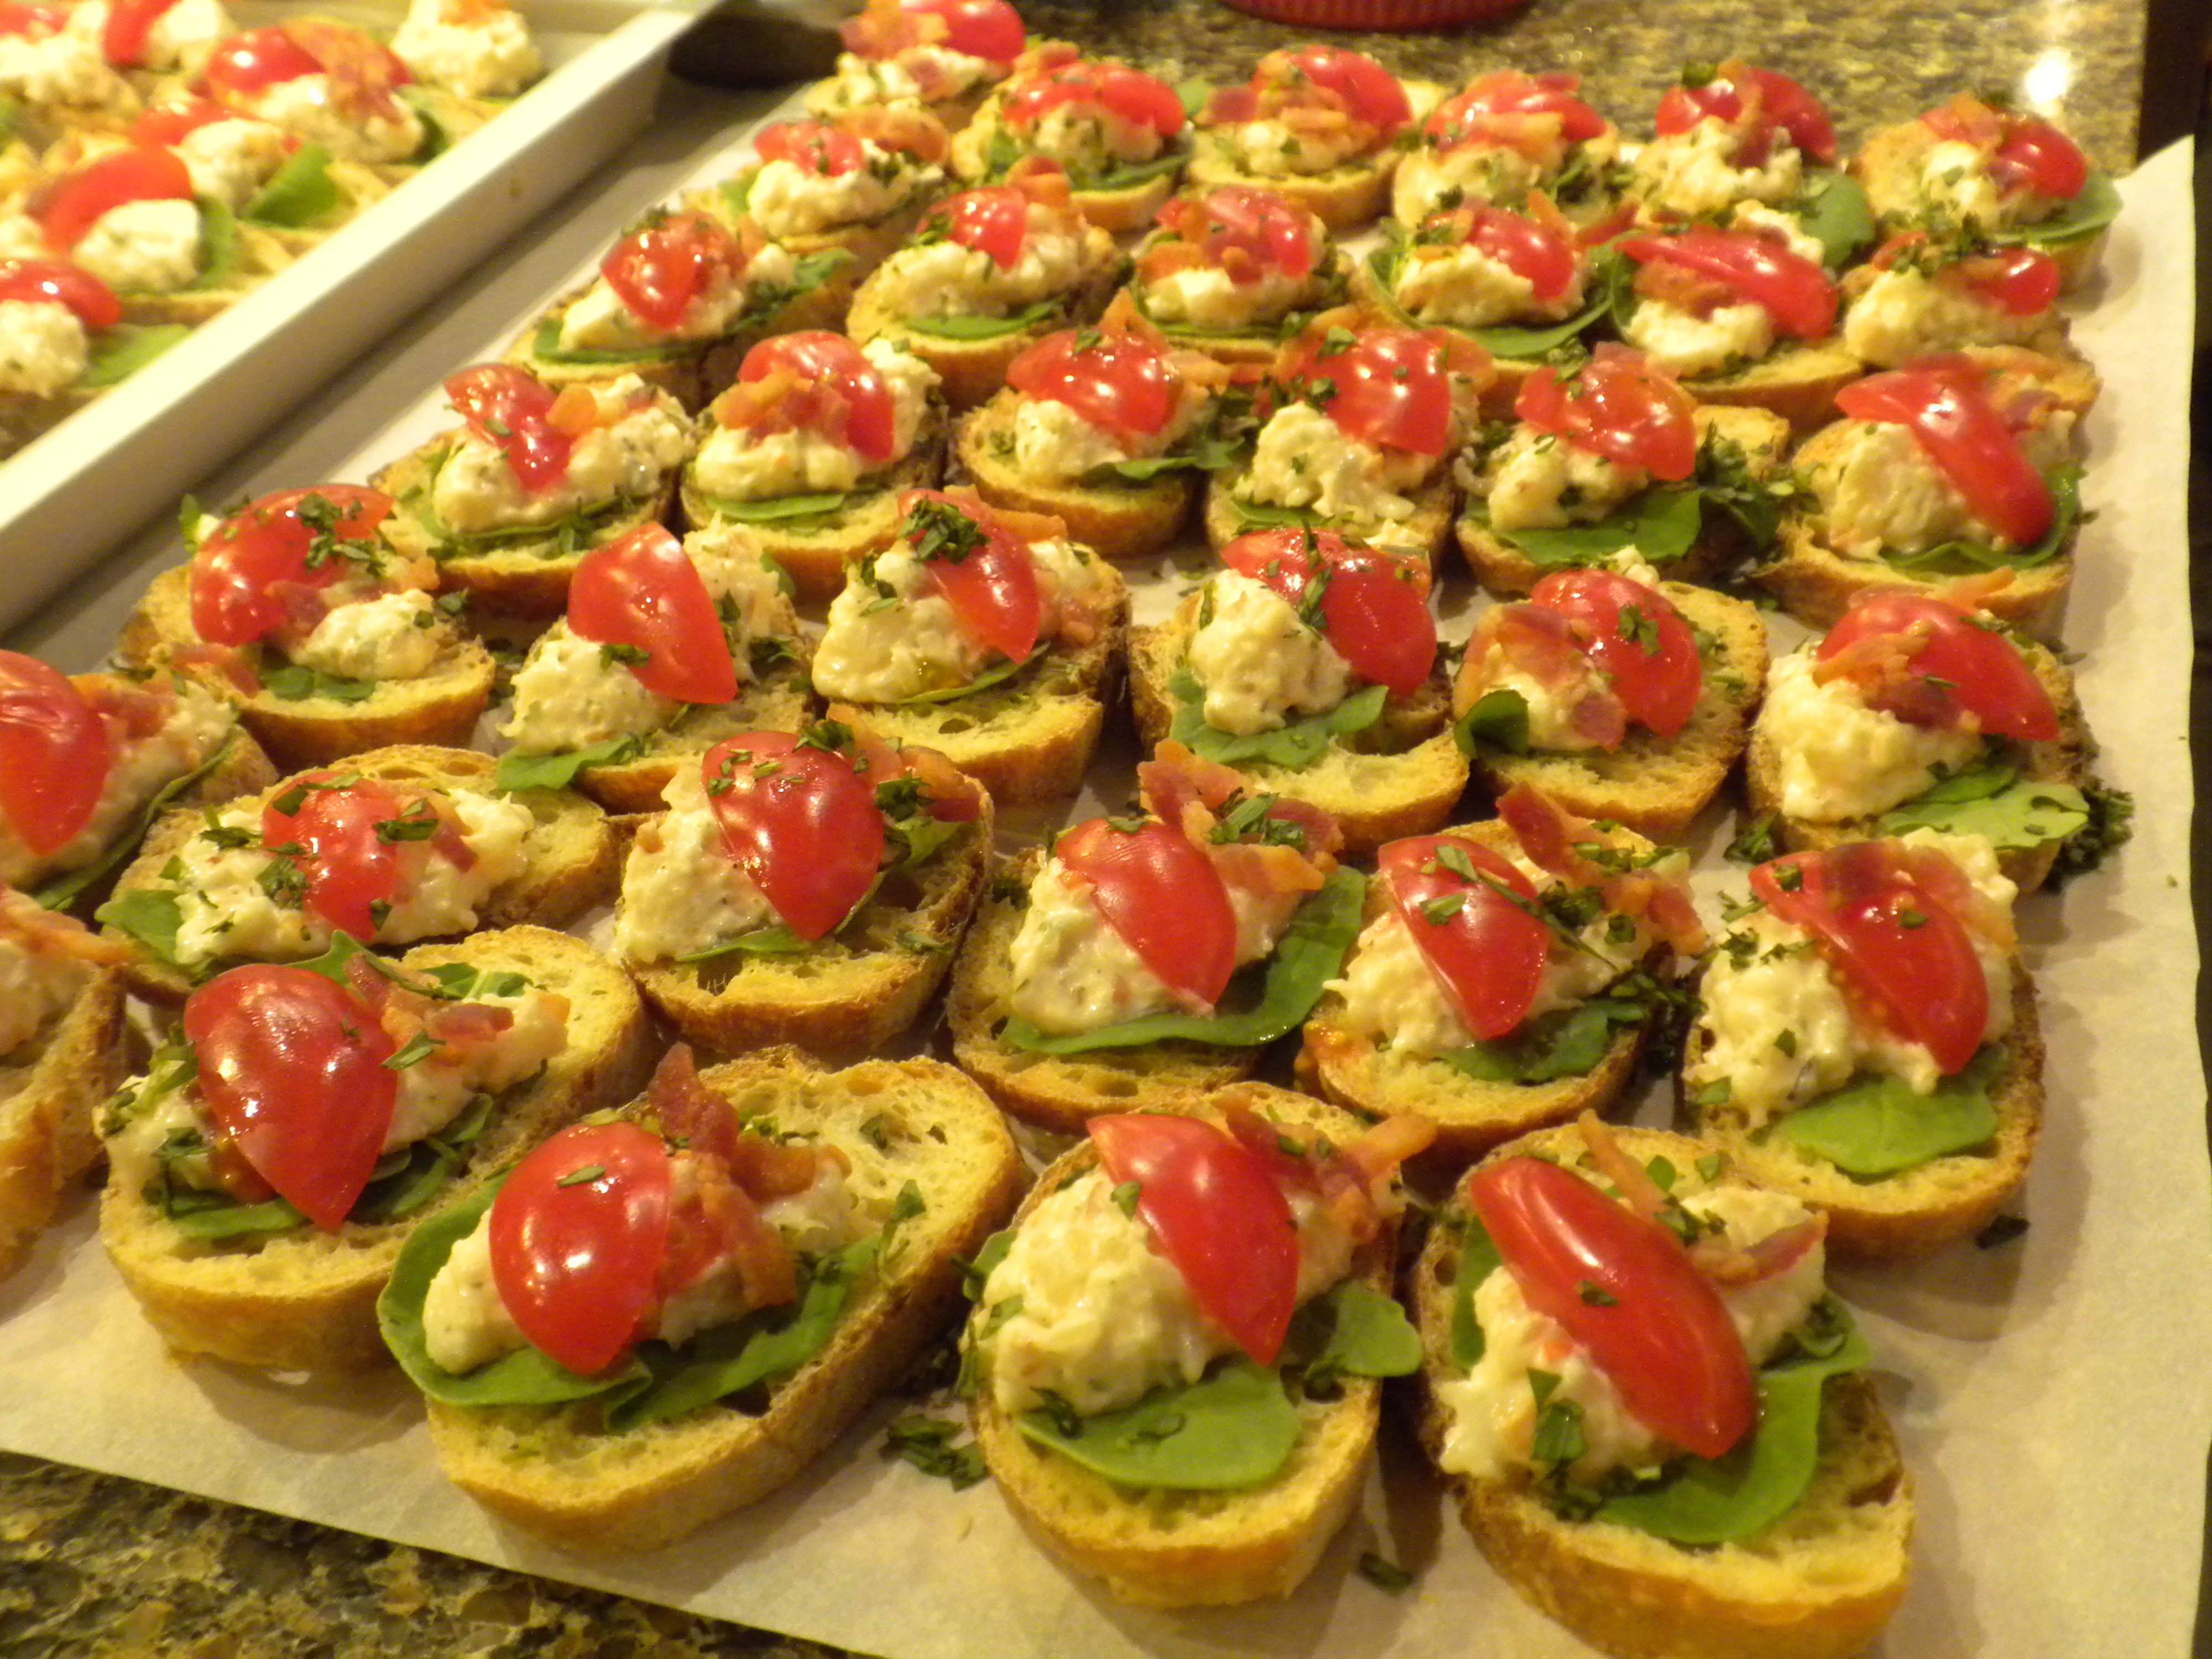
<point>1916,1212</point>
<point>1171,1549</point>
<point>306,1300</point>
<point>984,149</point>
<point>1030,737</point>
<point>2065,760</point>
<point>518,572</point>
<point>1060,1092</point>
<point>855,990</point>
<point>1761,435</point>
<point>1797,380</point>
<point>440,706</point>
<point>572,863</point>
<point>1426,531</point>
<point>1656,788</point>
<point>1472,1116</point>
<point>1820,1584</point>
<point>1400,777</point>
<point>867,242</point>
<point>559,1472</point>
<point>50,1091</point>
<point>1115,518</point>
<point>1346,198</point>
<point>780,702</point>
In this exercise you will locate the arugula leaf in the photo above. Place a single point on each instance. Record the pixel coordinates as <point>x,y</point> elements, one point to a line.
<point>982,328</point>
<point>121,351</point>
<point>1299,744</point>
<point>996,675</point>
<point>1499,718</point>
<point>1232,1429</point>
<point>1138,173</point>
<point>299,193</point>
<point>1992,800</point>
<point>1662,524</point>
<point>773,941</point>
<point>1311,952</point>
<point>518,771</point>
<point>1878,1126</point>
<point>1266,515</point>
<point>58,893</point>
<point>152,915</point>
<point>1565,1043</point>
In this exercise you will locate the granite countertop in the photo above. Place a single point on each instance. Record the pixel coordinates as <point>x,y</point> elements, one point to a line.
<point>94,1565</point>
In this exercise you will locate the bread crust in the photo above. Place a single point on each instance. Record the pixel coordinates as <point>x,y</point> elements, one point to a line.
<point>1346,197</point>
<point>1820,1584</point>
<point>1425,532</point>
<point>50,1091</point>
<point>1656,788</point>
<point>1115,518</point>
<point>557,1471</point>
<point>1164,1549</point>
<point>306,1300</point>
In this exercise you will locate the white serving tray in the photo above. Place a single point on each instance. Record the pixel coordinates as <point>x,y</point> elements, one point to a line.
<point>71,495</point>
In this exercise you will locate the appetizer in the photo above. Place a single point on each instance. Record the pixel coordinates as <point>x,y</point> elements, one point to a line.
<point>1917,296</point>
<point>63,341</point>
<point>55,78</point>
<point>271,180</point>
<point>475,50</point>
<point>1507,133</point>
<point>943,55</point>
<point>1317,124</point>
<point>1232,270</point>
<point>857,182</point>
<point>329,83</point>
<point>1743,146</point>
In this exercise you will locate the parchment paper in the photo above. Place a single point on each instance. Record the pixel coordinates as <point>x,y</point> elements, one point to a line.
<point>2051,1394</point>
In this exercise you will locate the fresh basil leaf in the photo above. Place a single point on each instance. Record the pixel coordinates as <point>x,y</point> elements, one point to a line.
<point>218,245</point>
<point>1565,1043</point>
<point>1478,1260</point>
<point>1266,515</point>
<point>518,771</point>
<point>1299,744</point>
<point>1133,174</point>
<point>1355,1331</point>
<point>64,890</point>
<point>2096,205</point>
<point>982,328</point>
<point>1233,1429</point>
<point>773,940</point>
<point>545,345</point>
<point>780,509</point>
<point>737,195</point>
<point>1499,718</point>
<point>1993,800</point>
<point>1835,214</point>
<point>1877,1125</point>
<point>1704,1501</point>
<point>1309,953</point>
<point>121,351</point>
<point>996,675</point>
<point>152,915</point>
<point>296,683</point>
<point>299,194</point>
<point>1662,524</point>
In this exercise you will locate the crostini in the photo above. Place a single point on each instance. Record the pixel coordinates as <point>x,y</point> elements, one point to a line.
<point>268,1164</point>
<point>1620,697</point>
<point>300,608</point>
<point>477,51</point>
<point>62,341</point>
<point>1865,1041</point>
<point>57,80</point>
<point>331,84</point>
<point>1506,976</point>
<point>810,448</point>
<point>507,503</point>
<point>983,633</point>
<point>1506,133</point>
<point>805,887</point>
<point>816,1223</point>
<point>942,55</point>
<point>1317,124</point>
<point>1917,296</point>
<point>1103,973</point>
<point>1309,667</point>
<point>295,192</point>
<point>1233,271</point>
<point>1614,1326</point>
<point>666,648</point>
<point>1917,710</point>
<point>1177,1353</point>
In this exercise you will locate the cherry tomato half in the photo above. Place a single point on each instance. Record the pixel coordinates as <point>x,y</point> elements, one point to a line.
<point>1219,1216</point>
<point>294,539</point>
<point>993,221</point>
<point>168,123</point>
<point>985,573</point>
<point>2019,281</point>
<point>657,272</point>
<point>1374,605</point>
<point>1658,1330</point>
<point>1545,255</point>
<point>1636,637</point>
<point>52,280</point>
<point>292,1068</point>
<point>247,64</point>
<point>1782,103</point>
<point>506,406</point>
<point>577,1233</point>
<point>814,381</point>
<point>1247,231</point>
<point>1790,288</point>
<point>1163,897</point>
<point>72,204</point>
<point>980,28</point>
<point>1959,663</point>
<point>1388,386</point>
<point>1883,920</point>
<point>642,590</point>
<point>800,820</point>
<point>1120,383</point>
<point>123,36</point>
<point>349,860</point>
<point>1346,80</point>
<point>821,148</point>
<point>1513,108</point>
<point>1130,94</point>
<point>1479,934</point>
<point>1619,406</point>
<point>1941,401</point>
<point>55,753</point>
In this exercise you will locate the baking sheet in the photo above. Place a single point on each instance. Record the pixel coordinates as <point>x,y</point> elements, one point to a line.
<point>2049,1394</point>
<point>70,496</point>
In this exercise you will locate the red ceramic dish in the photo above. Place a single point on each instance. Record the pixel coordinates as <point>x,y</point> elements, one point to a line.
<point>1378,14</point>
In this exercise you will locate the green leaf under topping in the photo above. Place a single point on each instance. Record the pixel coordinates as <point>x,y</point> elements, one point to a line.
<point>1299,744</point>
<point>218,245</point>
<point>982,328</point>
<point>62,891</point>
<point>2096,206</point>
<point>1960,556</point>
<point>1565,1043</point>
<point>119,352</point>
<point>1232,1429</point>
<point>785,510</point>
<point>1992,800</point>
<point>999,672</point>
<point>1662,524</point>
<point>1498,719</point>
<point>1478,1260</point>
<point>296,682</point>
<point>1835,214</point>
<point>152,915</point>
<point>1353,1331</point>
<point>299,194</point>
<point>1878,1126</point>
<point>545,345</point>
<point>519,771</point>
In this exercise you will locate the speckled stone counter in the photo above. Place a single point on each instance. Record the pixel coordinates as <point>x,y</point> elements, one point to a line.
<point>95,1565</point>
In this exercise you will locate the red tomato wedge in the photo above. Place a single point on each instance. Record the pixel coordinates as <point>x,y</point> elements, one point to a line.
<point>821,148</point>
<point>2019,281</point>
<point>1218,1215</point>
<point>1880,915</point>
<point>169,124</point>
<point>577,1233</point>
<point>642,590</point>
<point>123,36</point>
<point>984,572</point>
<point>250,564</point>
<point>1247,231</point>
<point>993,221</point>
<point>1486,950</point>
<point>1316,77</point>
<point>55,753</point>
<point>814,381</point>
<point>1779,102</point>
<point>1387,385</point>
<point>657,272</point>
<point>1120,383</point>
<point>246,65</point>
<point>1374,605</point>
<point>348,854</point>
<point>31,20</point>
<point>800,820</point>
<point>1619,406</point>
<point>56,283</point>
<point>1957,662</point>
<point>1515,109</point>
<point>980,28</point>
<point>292,1068</point>
<point>1793,290</point>
<point>1163,897</point>
<point>2025,151</point>
<point>1636,637</point>
<point>1545,256</point>
<point>70,206</point>
<point>506,406</point>
<point>1092,83</point>
<point>1941,401</point>
<point>1658,1331</point>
